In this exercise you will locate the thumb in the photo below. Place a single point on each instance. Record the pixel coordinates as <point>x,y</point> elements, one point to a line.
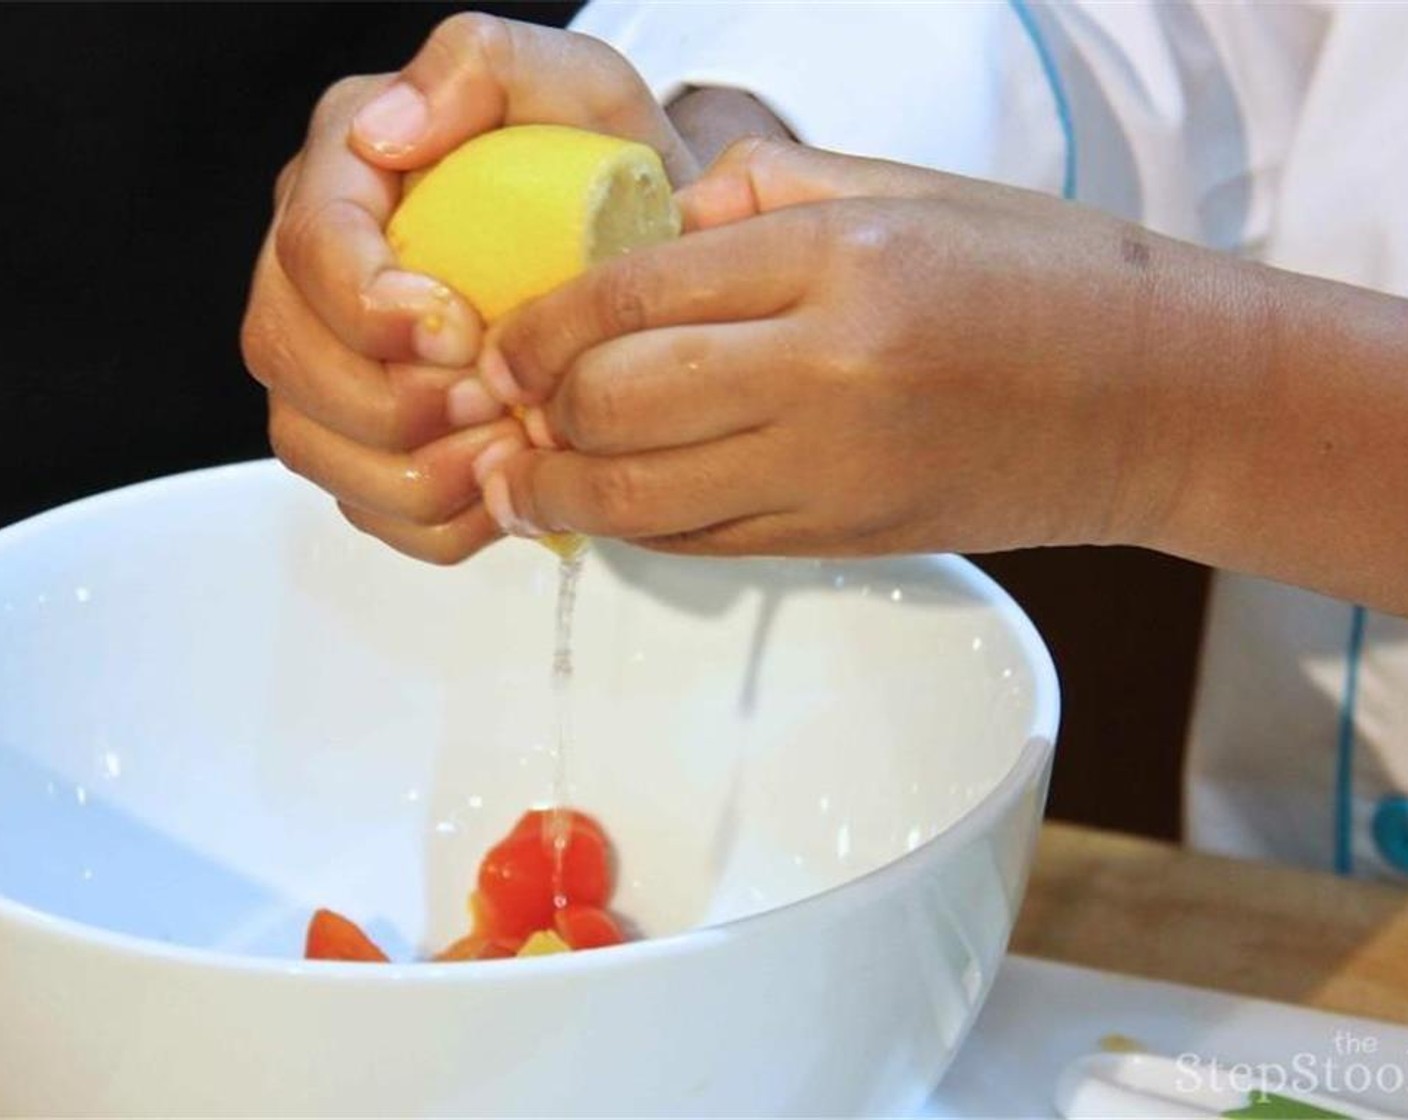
<point>755,175</point>
<point>478,72</point>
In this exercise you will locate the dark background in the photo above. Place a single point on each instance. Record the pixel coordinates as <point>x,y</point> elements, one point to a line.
<point>140,144</point>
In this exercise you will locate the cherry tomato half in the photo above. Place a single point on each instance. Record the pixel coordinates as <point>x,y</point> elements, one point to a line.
<point>331,937</point>
<point>516,878</point>
<point>587,927</point>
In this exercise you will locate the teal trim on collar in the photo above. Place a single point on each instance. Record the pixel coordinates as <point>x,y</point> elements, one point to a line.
<point>1023,12</point>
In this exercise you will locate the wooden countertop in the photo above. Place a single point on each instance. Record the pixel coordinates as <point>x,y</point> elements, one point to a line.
<point>1146,908</point>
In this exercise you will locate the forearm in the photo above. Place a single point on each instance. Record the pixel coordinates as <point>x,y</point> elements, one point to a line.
<point>1289,401</point>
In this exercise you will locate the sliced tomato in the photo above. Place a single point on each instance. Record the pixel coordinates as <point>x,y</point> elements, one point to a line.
<point>516,876</point>
<point>515,880</point>
<point>587,927</point>
<point>586,868</point>
<point>331,937</point>
<point>515,897</point>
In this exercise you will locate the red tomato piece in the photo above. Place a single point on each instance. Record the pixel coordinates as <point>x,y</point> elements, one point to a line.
<point>516,877</point>
<point>515,880</point>
<point>586,866</point>
<point>587,927</point>
<point>331,937</point>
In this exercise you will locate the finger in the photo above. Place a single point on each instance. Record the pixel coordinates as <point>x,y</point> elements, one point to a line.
<point>655,493</point>
<point>756,176</point>
<point>390,406</point>
<point>791,533</point>
<point>449,542</point>
<point>427,486</point>
<point>329,241</point>
<point>284,181</point>
<point>723,275</point>
<point>765,535</point>
<point>670,388</point>
<point>477,72</point>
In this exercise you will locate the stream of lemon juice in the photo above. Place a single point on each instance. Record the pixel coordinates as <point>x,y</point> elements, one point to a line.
<point>557,821</point>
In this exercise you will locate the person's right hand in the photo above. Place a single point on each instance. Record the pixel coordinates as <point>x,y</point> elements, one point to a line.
<point>857,357</point>
<point>359,356</point>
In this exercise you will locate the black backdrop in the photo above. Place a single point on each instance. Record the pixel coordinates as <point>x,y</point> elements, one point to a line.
<point>140,143</point>
<point>139,147</point>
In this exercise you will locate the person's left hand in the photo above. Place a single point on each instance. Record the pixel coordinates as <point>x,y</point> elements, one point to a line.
<point>368,366</point>
<point>874,359</point>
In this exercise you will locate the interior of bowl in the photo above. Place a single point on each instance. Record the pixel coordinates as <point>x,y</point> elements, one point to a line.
<point>225,707</point>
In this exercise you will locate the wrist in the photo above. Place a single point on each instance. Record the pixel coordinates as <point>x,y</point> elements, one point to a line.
<point>710,118</point>
<point>1192,371</point>
<point>1214,475</point>
<point>1296,469</point>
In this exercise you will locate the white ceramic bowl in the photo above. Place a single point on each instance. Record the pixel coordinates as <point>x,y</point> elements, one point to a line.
<point>220,707</point>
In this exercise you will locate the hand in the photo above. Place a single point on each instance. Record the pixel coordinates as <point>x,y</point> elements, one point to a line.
<point>369,367</point>
<point>847,357</point>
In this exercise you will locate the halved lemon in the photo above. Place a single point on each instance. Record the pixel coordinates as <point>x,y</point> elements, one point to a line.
<point>514,213</point>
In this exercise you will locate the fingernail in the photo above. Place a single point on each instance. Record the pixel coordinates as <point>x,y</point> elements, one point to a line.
<point>444,338</point>
<point>499,505</point>
<point>394,121</point>
<point>468,404</point>
<point>497,377</point>
<point>444,333</point>
<point>535,423</point>
<point>493,456</point>
<point>394,290</point>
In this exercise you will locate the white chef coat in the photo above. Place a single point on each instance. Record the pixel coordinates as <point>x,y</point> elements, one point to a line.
<point>1275,130</point>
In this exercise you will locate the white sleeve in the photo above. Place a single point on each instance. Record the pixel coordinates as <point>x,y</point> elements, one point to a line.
<point>955,86</point>
<point>1176,116</point>
<point>1184,113</point>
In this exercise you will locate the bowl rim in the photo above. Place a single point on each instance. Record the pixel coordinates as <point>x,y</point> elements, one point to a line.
<point>1028,768</point>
